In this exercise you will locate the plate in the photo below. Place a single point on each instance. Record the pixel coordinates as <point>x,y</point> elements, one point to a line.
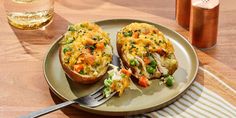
<point>133,101</point>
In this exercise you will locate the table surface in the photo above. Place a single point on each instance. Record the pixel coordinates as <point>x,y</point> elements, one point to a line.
<point>22,85</point>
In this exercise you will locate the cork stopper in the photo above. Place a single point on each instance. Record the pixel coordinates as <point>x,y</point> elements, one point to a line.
<point>204,23</point>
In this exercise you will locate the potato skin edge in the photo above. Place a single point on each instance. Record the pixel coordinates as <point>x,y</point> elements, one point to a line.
<point>76,77</point>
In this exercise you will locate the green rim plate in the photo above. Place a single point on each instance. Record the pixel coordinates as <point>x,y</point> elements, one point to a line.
<point>132,101</point>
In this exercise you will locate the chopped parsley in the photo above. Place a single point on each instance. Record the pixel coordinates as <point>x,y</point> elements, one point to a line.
<point>71,28</point>
<point>128,34</point>
<point>66,49</point>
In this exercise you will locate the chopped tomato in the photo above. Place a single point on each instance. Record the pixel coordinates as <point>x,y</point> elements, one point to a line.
<point>135,34</point>
<point>126,72</point>
<point>100,46</point>
<point>78,67</point>
<point>143,81</point>
<point>146,60</point>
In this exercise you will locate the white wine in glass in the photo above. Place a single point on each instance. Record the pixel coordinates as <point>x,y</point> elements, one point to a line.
<point>29,14</point>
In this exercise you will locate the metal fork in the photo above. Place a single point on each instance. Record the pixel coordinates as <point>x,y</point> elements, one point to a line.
<point>94,99</point>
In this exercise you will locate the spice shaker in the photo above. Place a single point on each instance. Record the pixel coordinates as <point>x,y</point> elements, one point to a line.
<point>182,12</point>
<point>204,22</point>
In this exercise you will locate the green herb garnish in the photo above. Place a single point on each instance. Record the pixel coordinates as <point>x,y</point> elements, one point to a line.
<point>128,34</point>
<point>71,28</point>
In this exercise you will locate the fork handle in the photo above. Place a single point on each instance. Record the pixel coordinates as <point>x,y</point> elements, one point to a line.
<point>48,109</point>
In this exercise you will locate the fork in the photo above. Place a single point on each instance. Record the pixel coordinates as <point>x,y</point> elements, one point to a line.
<point>94,99</point>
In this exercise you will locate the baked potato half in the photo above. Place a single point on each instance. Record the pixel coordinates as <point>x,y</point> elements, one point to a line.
<point>144,49</point>
<point>85,52</point>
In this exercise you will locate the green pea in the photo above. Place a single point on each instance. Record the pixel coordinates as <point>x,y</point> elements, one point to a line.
<point>81,72</point>
<point>133,62</point>
<point>129,33</point>
<point>150,69</point>
<point>153,64</point>
<point>170,81</point>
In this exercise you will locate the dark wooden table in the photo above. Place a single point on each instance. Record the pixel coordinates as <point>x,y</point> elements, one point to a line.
<point>22,85</point>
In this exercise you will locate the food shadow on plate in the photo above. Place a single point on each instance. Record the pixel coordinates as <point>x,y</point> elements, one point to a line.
<point>125,99</point>
<point>181,76</point>
<point>80,90</point>
<point>153,88</point>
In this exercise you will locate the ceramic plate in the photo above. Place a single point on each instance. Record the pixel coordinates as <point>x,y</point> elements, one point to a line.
<point>132,101</point>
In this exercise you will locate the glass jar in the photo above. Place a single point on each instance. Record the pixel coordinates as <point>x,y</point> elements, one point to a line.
<point>29,14</point>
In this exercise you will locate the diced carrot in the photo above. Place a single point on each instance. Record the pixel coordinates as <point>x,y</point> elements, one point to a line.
<point>143,81</point>
<point>126,72</point>
<point>160,51</point>
<point>135,34</point>
<point>78,67</point>
<point>146,60</point>
<point>100,46</point>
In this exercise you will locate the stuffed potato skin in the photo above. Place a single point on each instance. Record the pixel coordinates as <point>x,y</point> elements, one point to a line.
<point>144,49</point>
<point>85,52</point>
